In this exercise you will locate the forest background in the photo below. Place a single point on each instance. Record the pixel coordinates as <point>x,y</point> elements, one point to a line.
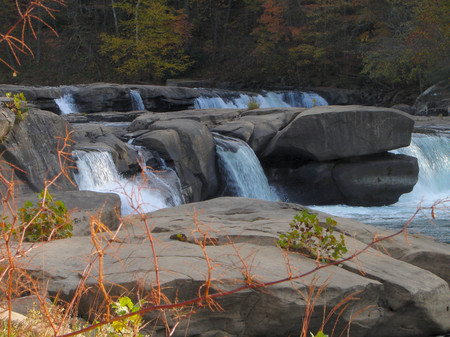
<point>384,44</point>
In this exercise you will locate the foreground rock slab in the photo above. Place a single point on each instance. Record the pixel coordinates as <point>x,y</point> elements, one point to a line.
<point>395,297</point>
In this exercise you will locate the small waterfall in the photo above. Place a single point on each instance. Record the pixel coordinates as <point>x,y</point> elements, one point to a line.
<point>241,170</point>
<point>303,99</point>
<point>136,100</point>
<point>97,172</point>
<point>217,100</point>
<point>66,104</point>
<point>433,154</point>
<point>164,179</point>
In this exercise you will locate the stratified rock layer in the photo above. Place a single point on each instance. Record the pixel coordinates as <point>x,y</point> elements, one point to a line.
<point>31,148</point>
<point>333,132</point>
<point>396,298</point>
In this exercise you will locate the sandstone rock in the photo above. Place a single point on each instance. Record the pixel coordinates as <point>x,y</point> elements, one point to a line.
<point>192,149</point>
<point>238,129</point>
<point>7,118</point>
<point>399,299</point>
<point>333,132</point>
<point>94,137</point>
<point>22,305</point>
<point>84,205</point>
<point>32,147</point>
<point>104,117</point>
<point>267,122</point>
<point>375,181</point>
<point>99,97</point>
<point>168,144</point>
<point>210,117</point>
<point>360,181</point>
<point>42,97</point>
<point>15,316</point>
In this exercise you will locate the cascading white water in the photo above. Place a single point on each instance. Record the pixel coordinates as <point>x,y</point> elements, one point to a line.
<point>164,179</point>
<point>66,104</point>
<point>97,172</point>
<point>136,100</point>
<point>303,99</point>
<point>266,100</point>
<point>433,154</point>
<point>241,170</point>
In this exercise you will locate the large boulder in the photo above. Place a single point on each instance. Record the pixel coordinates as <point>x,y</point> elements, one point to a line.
<point>359,181</point>
<point>266,124</point>
<point>392,297</point>
<point>434,101</point>
<point>237,129</point>
<point>375,181</point>
<point>333,132</point>
<point>190,146</point>
<point>31,150</point>
<point>94,137</point>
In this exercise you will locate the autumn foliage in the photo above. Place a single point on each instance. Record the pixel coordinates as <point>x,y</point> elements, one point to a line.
<point>388,43</point>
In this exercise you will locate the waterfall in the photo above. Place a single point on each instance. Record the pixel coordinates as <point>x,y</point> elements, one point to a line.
<point>226,100</point>
<point>66,104</point>
<point>136,100</point>
<point>241,170</point>
<point>163,179</point>
<point>97,172</point>
<point>303,99</point>
<point>433,154</point>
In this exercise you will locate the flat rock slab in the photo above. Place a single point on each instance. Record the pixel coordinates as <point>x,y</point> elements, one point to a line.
<point>332,132</point>
<point>397,296</point>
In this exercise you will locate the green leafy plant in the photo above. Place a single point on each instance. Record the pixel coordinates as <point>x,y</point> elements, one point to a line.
<point>18,105</point>
<point>129,326</point>
<point>319,334</point>
<point>309,236</point>
<point>252,104</point>
<point>47,220</point>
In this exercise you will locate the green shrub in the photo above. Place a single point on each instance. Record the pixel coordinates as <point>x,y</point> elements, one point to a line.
<point>18,105</point>
<point>48,219</point>
<point>127,327</point>
<point>309,236</point>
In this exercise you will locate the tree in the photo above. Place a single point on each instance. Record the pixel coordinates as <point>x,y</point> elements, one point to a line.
<point>151,40</point>
<point>407,41</point>
<point>308,41</point>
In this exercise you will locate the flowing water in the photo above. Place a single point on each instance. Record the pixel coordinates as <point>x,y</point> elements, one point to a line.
<point>433,154</point>
<point>241,170</point>
<point>270,99</point>
<point>136,101</point>
<point>66,104</point>
<point>97,172</point>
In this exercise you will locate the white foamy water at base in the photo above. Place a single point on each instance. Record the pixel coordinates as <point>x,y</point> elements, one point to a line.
<point>97,172</point>
<point>433,154</point>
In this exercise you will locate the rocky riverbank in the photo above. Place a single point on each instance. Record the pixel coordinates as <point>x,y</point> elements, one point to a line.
<point>341,150</point>
<point>399,291</point>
